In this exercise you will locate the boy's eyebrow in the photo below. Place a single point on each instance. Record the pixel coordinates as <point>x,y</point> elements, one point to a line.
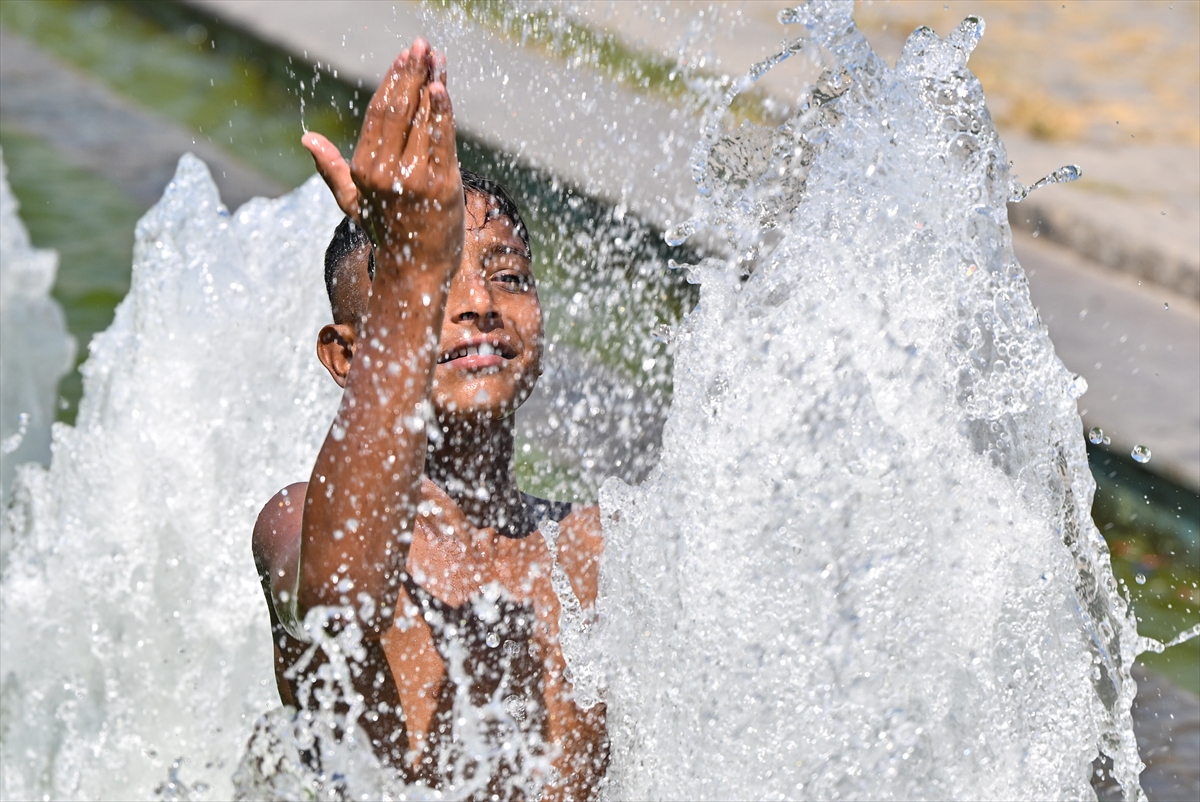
<point>499,249</point>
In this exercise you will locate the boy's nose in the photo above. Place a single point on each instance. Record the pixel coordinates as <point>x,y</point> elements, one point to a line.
<point>471,297</point>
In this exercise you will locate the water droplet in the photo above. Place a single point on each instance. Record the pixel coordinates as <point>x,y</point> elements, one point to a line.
<point>1140,454</point>
<point>492,640</point>
<point>1063,175</point>
<point>1140,579</point>
<point>678,235</point>
<point>13,441</point>
<point>1096,436</point>
<point>1164,214</point>
<point>1166,305</point>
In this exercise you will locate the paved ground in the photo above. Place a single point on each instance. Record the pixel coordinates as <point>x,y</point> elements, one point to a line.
<point>1138,346</point>
<point>1167,723</point>
<point>1113,87</point>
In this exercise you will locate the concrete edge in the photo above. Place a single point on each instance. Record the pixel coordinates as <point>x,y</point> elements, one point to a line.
<point>1089,238</point>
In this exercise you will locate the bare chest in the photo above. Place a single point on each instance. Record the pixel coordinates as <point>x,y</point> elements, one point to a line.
<point>485,618</point>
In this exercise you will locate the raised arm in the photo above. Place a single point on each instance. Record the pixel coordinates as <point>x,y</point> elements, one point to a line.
<point>362,497</point>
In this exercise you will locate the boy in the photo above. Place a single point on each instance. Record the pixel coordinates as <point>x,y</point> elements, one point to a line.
<point>412,518</point>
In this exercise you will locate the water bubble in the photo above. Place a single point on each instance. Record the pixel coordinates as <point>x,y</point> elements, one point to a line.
<point>679,235</point>
<point>1140,578</point>
<point>1096,436</point>
<point>196,34</point>
<point>492,640</point>
<point>13,441</point>
<point>1140,454</point>
<point>1166,305</point>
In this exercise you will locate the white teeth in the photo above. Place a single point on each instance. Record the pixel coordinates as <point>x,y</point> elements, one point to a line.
<point>484,349</point>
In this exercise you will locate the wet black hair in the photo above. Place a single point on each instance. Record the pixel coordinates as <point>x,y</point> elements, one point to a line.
<point>349,236</point>
<point>505,205</point>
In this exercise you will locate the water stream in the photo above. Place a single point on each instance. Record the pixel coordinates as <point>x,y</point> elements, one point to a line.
<point>862,567</point>
<point>896,590</point>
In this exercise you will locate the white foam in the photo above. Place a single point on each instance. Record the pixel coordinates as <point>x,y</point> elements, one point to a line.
<point>864,567</point>
<point>37,350</point>
<point>134,628</point>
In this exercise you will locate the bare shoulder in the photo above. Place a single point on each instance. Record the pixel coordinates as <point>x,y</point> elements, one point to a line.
<point>580,547</point>
<point>277,535</point>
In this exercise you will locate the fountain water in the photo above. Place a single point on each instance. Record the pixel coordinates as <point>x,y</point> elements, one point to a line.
<point>863,566</point>
<point>37,349</point>
<point>133,630</point>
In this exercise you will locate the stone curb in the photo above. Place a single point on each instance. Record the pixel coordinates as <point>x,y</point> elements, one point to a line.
<point>1094,239</point>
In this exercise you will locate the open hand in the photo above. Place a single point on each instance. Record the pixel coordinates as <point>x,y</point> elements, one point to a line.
<point>402,184</point>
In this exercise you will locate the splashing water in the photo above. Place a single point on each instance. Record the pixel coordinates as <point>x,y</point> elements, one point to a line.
<point>37,349</point>
<point>134,633</point>
<point>863,567</point>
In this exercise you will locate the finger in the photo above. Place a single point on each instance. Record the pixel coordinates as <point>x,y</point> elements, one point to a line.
<point>435,66</point>
<point>335,170</point>
<point>430,142</point>
<point>416,152</point>
<point>403,102</point>
<point>443,153</point>
<point>368,139</point>
<point>383,138</point>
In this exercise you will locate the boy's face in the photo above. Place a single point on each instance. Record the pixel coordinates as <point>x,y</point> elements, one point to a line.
<point>490,350</point>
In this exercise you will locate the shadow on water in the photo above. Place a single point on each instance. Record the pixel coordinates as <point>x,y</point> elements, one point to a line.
<point>604,275</point>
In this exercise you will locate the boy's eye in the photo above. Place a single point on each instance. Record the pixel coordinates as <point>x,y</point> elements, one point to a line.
<point>514,281</point>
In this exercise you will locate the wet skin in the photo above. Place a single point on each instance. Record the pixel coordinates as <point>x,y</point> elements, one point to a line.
<point>454,267</point>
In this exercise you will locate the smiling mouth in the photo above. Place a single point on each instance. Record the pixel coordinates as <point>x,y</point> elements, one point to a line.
<point>484,350</point>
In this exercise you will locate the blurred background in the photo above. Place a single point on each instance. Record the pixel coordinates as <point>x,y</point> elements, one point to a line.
<point>99,99</point>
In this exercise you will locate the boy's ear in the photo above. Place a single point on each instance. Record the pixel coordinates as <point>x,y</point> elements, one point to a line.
<point>335,349</point>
